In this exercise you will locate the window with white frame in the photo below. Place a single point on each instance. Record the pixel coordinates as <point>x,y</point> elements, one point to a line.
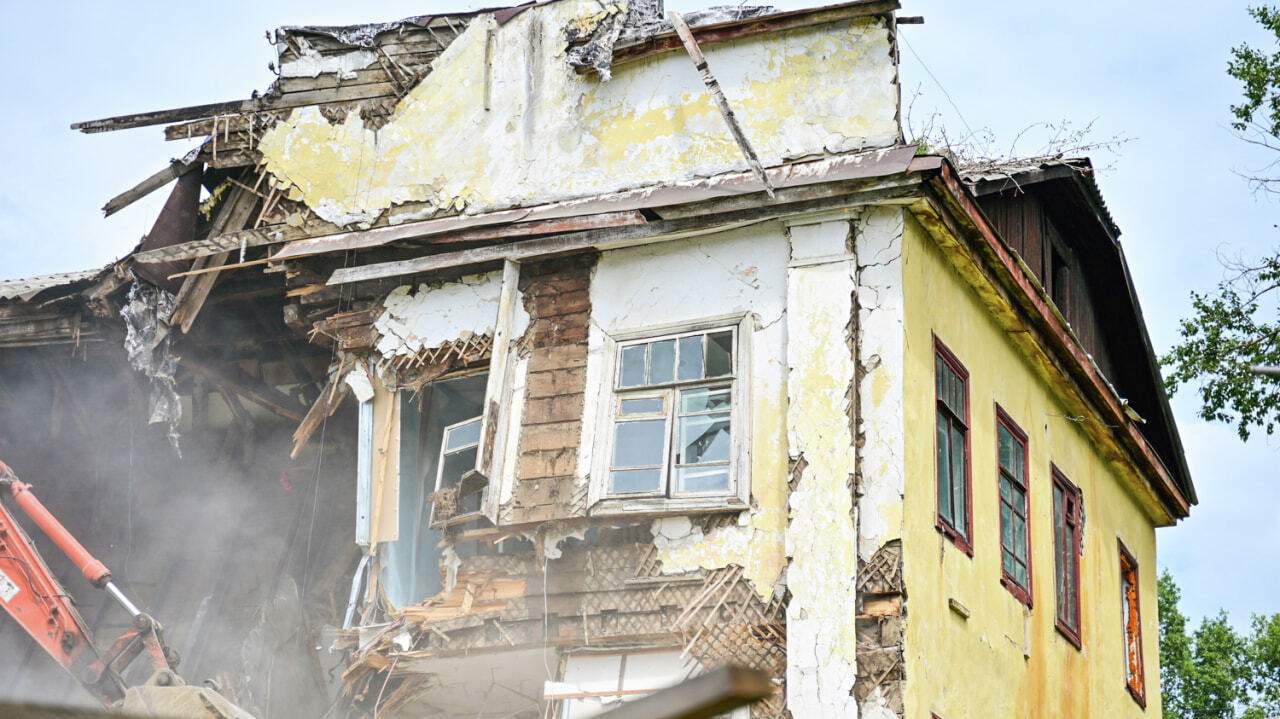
<point>674,427</point>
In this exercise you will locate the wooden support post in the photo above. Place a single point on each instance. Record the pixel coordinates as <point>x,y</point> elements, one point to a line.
<point>722,102</point>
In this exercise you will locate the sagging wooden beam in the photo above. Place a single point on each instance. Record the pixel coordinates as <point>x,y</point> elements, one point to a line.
<point>254,390</point>
<point>195,290</point>
<point>662,231</point>
<point>176,169</point>
<point>722,102</point>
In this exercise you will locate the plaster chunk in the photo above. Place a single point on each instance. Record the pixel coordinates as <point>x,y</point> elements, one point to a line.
<point>412,321</point>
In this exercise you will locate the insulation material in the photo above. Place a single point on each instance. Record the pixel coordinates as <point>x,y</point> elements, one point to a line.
<point>146,342</point>
<point>312,64</point>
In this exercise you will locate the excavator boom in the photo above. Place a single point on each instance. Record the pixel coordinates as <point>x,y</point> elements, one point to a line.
<point>32,595</point>
<point>36,600</point>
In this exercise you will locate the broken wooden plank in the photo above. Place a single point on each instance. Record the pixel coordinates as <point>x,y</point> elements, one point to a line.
<point>175,169</point>
<point>195,290</point>
<point>722,102</point>
<point>252,389</point>
<point>236,107</point>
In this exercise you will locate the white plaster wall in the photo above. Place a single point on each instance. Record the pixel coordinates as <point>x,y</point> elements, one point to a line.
<point>413,320</point>
<point>821,536</point>
<point>688,280</point>
<point>880,333</point>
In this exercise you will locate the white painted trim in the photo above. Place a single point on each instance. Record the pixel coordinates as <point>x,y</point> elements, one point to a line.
<point>598,500</point>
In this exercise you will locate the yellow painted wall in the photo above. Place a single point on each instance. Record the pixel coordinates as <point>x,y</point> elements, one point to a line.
<point>973,668</point>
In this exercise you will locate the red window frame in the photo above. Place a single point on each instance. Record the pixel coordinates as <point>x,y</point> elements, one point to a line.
<point>1068,513</point>
<point>1017,589</point>
<point>958,419</point>
<point>1131,612</point>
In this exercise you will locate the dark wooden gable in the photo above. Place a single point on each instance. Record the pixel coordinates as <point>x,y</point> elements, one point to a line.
<point>1054,218</point>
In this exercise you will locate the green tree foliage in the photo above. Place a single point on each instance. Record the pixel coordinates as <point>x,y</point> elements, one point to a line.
<point>1214,672</point>
<point>1236,326</point>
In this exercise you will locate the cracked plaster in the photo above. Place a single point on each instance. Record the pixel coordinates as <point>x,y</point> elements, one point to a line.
<point>549,133</point>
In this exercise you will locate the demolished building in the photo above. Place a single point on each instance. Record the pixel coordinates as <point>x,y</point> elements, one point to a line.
<point>521,362</point>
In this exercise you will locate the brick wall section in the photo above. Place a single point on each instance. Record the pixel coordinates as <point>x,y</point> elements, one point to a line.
<point>556,297</point>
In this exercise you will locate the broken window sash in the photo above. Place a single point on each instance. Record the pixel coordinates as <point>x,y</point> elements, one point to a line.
<point>1011,458</point>
<point>672,421</point>
<point>952,398</point>
<point>448,441</point>
<point>1066,545</point>
<point>1132,620</point>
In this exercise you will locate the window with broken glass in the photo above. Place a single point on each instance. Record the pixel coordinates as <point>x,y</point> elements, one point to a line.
<point>673,407</point>
<point>952,400</point>
<point>1067,521</point>
<point>1132,619</point>
<point>1011,452</point>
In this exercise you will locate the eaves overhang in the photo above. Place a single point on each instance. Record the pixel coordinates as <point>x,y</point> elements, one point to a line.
<point>950,194</point>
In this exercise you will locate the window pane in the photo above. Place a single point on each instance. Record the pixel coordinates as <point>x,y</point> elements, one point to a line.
<point>704,438</point>
<point>462,435</point>
<point>707,399</point>
<point>642,405</point>
<point>719,354</point>
<point>1005,442</point>
<point>939,377</point>
<point>1021,575</point>
<point>944,469</point>
<point>639,444</point>
<point>1006,526</point>
<point>632,366</point>
<point>662,361</point>
<point>958,489</point>
<point>1019,462</point>
<point>1005,489</point>
<point>1020,538</point>
<point>455,465</point>
<point>635,480</point>
<point>690,367</point>
<point>1009,566</point>
<point>702,479</point>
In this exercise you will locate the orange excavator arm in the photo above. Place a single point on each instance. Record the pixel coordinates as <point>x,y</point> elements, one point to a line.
<point>32,595</point>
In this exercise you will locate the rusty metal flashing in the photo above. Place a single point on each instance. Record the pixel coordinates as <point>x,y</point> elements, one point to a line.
<point>955,205</point>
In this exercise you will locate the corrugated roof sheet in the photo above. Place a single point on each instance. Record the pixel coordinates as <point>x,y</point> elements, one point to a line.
<point>27,287</point>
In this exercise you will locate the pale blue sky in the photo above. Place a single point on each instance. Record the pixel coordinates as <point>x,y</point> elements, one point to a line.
<point>1146,70</point>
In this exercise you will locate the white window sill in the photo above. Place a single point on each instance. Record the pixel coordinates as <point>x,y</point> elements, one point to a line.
<point>617,506</point>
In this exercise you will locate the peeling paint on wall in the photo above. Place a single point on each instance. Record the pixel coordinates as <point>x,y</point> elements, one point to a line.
<point>879,333</point>
<point>721,275</point>
<point>549,133</point>
<point>412,321</point>
<point>821,538</point>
